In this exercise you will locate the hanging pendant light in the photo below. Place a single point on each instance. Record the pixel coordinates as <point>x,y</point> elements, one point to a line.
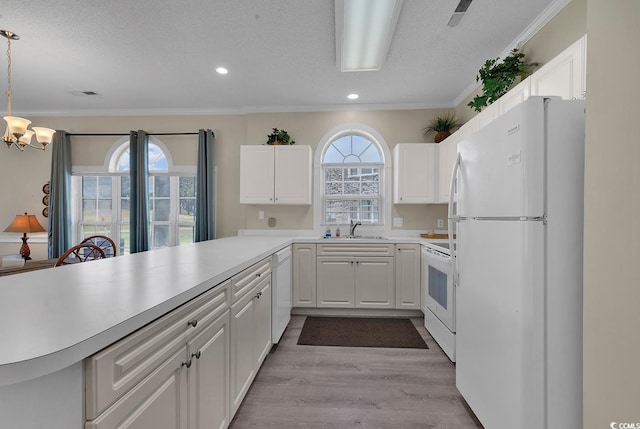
<point>17,133</point>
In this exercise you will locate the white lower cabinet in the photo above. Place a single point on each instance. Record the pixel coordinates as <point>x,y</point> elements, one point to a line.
<point>304,275</point>
<point>408,276</point>
<point>374,282</point>
<point>355,282</point>
<point>208,376</point>
<point>159,401</point>
<point>336,282</point>
<point>188,390</point>
<point>250,338</point>
<point>189,369</point>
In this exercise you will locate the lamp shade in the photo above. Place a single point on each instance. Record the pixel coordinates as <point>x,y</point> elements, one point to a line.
<point>44,135</point>
<point>25,223</point>
<point>18,126</point>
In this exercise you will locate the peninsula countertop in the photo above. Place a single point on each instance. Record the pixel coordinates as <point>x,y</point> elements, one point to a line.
<point>53,318</point>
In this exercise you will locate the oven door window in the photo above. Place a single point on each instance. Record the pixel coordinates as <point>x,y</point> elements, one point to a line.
<point>438,286</point>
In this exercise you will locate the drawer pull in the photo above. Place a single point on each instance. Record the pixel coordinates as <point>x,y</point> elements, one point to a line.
<point>258,295</point>
<point>258,274</point>
<point>196,354</point>
<point>187,363</point>
<point>193,322</point>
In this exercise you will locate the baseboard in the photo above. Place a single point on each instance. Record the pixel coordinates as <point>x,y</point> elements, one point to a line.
<point>356,312</point>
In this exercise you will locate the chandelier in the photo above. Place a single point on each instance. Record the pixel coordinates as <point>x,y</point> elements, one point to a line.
<point>17,133</point>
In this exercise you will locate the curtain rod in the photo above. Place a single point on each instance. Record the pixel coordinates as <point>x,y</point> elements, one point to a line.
<point>118,134</point>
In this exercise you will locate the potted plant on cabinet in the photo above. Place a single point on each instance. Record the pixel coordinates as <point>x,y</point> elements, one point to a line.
<point>442,126</point>
<point>498,78</point>
<point>279,137</point>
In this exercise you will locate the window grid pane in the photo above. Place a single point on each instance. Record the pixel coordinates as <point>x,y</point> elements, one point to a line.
<point>352,193</point>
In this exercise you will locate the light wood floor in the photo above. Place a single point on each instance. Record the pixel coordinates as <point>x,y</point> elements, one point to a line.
<point>315,387</point>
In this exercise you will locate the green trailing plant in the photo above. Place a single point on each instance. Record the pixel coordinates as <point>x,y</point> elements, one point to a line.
<point>498,77</point>
<point>279,137</point>
<point>442,126</point>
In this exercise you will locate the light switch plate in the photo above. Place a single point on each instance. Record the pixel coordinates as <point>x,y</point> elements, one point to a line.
<point>260,214</point>
<point>397,222</point>
<point>272,222</point>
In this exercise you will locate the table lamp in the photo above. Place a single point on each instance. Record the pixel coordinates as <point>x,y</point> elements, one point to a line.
<point>25,223</point>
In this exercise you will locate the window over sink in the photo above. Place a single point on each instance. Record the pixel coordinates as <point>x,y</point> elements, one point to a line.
<point>352,179</point>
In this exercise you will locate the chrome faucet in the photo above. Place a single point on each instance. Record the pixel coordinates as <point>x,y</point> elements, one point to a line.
<point>352,231</point>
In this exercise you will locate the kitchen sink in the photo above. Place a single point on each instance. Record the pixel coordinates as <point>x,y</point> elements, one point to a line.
<point>356,237</point>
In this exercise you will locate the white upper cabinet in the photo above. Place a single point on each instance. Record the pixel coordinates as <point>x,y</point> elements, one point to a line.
<point>275,174</point>
<point>447,153</point>
<point>414,173</point>
<point>564,75</point>
<point>515,96</point>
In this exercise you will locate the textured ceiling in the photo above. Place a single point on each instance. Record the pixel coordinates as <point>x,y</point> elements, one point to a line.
<point>159,56</point>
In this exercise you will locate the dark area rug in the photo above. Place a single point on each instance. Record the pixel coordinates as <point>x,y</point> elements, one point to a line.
<point>360,332</point>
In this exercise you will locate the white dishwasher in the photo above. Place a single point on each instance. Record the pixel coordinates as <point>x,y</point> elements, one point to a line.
<point>280,293</point>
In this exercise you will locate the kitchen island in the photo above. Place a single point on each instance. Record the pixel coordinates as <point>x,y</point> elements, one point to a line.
<point>51,320</point>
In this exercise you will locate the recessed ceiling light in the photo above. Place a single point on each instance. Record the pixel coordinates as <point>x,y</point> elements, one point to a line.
<point>353,96</point>
<point>222,70</point>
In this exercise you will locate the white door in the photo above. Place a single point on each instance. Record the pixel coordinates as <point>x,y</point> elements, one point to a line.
<point>564,75</point>
<point>502,165</point>
<point>292,174</point>
<point>407,268</point>
<point>336,287</point>
<point>304,275</point>
<point>159,401</point>
<point>375,286</point>
<point>257,174</point>
<point>262,309</point>
<point>414,172</point>
<point>209,376</point>
<point>500,308</point>
<point>243,340</point>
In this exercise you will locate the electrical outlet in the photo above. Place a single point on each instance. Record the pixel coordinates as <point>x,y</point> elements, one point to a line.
<point>261,214</point>
<point>272,222</point>
<point>440,223</point>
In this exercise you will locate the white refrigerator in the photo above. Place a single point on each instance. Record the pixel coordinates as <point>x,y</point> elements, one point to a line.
<point>518,264</point>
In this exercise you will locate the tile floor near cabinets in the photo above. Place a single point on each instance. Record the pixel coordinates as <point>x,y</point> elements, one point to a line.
<point>315,387</point>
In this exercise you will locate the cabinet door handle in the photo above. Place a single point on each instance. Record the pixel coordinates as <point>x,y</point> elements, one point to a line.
<point>352,262</point>
<point>196,354</point>
<point>187,363</point>
<point>193,322</point>
<point>258,295</point>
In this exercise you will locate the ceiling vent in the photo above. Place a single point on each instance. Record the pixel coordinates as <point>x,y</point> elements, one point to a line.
<point>83,93</point>
<point>459,13</point>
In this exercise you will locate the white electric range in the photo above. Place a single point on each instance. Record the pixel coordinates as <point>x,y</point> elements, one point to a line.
<point>439,296</point>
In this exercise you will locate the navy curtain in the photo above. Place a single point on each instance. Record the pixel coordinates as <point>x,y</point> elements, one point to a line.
<point>60,195</point>
<point>205,208</point>
<point>139,202</point>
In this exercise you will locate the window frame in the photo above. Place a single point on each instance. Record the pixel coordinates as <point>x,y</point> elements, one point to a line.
<point>385,174</point>
<point>109,169</point>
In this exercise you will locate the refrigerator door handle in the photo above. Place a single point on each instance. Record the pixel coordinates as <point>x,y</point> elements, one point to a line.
<point>453,217</point>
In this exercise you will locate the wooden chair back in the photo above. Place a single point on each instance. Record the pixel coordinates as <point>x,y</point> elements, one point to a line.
<point>105,243</point>
<point>82,252</point>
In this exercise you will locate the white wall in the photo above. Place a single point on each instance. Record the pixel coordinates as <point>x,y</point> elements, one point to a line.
<point>612,210</point>
<point>25,173</point>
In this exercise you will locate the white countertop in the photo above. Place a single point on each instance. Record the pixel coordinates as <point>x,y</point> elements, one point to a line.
<point>50,319</point>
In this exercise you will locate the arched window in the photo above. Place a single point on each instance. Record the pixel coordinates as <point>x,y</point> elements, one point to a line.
<point>103,206</point>
<point>352,176</point>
